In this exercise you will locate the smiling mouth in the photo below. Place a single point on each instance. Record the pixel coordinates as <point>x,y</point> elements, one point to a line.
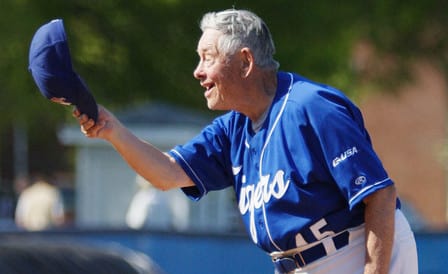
<point>208,90</point>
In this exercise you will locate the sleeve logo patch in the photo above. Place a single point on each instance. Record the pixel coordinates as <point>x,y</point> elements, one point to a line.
<point>344,156</point>
<point>360,180</point>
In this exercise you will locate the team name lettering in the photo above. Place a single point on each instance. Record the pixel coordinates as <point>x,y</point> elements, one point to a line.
<point>255,196</point>
<point>344,155</point>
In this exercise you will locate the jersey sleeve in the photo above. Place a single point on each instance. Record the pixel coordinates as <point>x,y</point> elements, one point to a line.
<point>205,160</point>
<point>346,146</point>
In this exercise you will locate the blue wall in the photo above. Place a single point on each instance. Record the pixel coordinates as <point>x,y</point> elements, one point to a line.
<point>177,253</point>
<point>181,253</point>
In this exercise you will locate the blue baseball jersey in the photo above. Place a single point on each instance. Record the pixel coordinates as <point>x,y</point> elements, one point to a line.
<point>302,176</point>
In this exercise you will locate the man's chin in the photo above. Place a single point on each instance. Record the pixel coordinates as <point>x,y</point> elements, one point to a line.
<point>211,105</point>
<point>217,105</point>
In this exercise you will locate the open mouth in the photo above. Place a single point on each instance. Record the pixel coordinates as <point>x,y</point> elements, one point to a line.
<point>208,90</point>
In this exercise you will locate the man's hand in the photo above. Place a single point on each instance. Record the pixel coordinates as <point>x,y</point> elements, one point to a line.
<point>103,128</point>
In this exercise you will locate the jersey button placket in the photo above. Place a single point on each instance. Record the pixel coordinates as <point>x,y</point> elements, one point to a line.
<point>254,156</point>
<point>260,223</point>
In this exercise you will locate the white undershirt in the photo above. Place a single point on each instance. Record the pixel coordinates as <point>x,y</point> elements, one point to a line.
<point>256,125</point>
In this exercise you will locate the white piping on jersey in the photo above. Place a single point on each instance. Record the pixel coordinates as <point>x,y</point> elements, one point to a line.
<point>236,170</point>
<point>262,154</point>
<point>367,188</point>
<point>246,144</point>
<point>198,179</point>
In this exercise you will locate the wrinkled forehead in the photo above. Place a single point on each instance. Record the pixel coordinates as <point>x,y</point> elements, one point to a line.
<point>209,41</point>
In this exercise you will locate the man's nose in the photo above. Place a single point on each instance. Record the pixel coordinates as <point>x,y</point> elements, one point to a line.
<point>198,72</point>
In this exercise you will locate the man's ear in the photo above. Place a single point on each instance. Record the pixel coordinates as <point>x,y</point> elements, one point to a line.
<point>247,62</point>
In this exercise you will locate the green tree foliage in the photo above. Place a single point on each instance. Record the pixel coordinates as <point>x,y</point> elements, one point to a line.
<point>142,50</point>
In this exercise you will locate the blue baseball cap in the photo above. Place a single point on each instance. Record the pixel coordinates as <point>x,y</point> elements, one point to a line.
<point>51,67</point>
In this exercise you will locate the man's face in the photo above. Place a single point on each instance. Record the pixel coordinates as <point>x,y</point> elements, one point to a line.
<point>219,76</point>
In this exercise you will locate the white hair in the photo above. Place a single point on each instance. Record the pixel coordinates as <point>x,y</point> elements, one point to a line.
<point>242,28</point>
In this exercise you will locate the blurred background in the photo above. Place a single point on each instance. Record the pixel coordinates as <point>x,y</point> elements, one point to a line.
<point>137,57</point>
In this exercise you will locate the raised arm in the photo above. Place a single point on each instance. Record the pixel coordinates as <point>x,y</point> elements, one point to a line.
<point>157,167</point>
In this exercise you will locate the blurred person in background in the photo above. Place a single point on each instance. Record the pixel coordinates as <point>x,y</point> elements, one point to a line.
<point>39,206</point>
<point>152,208</point>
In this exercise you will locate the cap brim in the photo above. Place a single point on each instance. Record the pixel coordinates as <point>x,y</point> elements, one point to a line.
<point>86,103</point>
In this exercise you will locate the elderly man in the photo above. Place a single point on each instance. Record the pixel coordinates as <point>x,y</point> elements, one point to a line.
<point>311,190</point>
